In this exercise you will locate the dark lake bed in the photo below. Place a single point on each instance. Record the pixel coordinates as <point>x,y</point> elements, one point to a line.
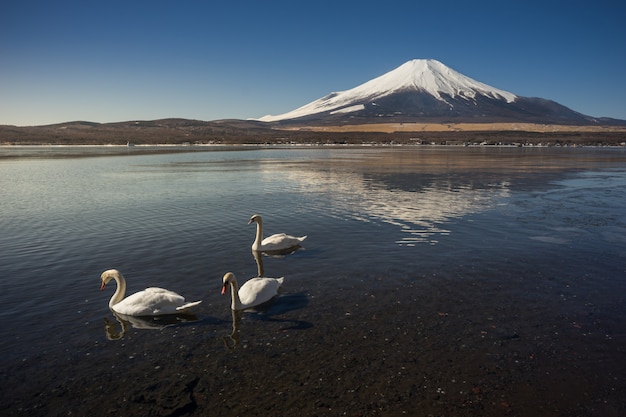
<point>433,282</point>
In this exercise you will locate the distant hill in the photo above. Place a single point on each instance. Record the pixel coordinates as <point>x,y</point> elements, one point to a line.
<point>172,131</point>
<point>233,132</point>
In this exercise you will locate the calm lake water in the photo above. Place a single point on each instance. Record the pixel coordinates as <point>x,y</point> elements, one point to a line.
<point>434,281</point>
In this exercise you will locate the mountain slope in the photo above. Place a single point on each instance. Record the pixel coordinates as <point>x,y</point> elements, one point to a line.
<point>425,90</point>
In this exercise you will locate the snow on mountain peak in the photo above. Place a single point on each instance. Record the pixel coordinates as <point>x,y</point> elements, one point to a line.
<point>425,75</point>
<point>436,78</point>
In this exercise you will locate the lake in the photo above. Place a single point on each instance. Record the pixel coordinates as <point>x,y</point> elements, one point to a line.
<point>444,281</point>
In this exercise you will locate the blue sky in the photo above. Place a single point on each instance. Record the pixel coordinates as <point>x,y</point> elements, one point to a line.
<point>108,61</point>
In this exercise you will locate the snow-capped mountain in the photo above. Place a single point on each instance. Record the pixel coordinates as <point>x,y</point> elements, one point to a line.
<point>429,91</point>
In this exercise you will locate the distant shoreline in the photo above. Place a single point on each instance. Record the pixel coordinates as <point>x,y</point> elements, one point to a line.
<point>8,152</point>
<point>181,132</point>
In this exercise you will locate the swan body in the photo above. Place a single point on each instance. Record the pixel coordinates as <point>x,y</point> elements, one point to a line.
<point>276,242</point>
<point>254,292</point>
<point>152,301</point>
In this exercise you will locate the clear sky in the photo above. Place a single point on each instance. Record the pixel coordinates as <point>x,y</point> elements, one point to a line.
<point>109,61</point>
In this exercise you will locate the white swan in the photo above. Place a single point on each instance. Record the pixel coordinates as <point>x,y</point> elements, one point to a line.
<point>152,301</point>
<point>276,242</point>
<point>254,292</point>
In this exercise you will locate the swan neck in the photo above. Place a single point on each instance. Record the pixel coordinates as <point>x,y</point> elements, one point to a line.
<point>120,291</point>
<point>259,235</point>
<point>234,294</point>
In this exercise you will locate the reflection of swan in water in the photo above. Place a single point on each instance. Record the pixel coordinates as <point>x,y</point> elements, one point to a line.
<point>110,329</point>
<point>254,292</point>
<point>258,257</point>
<point>234,335</point>
<point>276,243</point>
<point>152,301</point>
<point>150,323</point>
<point>267,312</point>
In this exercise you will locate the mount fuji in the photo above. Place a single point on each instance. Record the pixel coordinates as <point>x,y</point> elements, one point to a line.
<point>425,90</point>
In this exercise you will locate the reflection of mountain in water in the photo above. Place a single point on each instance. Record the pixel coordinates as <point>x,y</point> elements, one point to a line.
<point>419,203</point>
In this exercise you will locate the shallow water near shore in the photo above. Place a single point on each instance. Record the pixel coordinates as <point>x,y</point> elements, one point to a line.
<point>433,281</point>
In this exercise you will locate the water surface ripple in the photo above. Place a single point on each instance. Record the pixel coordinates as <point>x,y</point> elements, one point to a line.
<point>434,281</point>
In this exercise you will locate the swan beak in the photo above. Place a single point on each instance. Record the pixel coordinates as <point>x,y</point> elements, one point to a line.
<point>250,221</point>
<point>224,288</point>
<point>102,286</point>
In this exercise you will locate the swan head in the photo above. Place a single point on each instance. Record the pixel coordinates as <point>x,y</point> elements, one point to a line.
<point>107,276</point>
<point>229,278</point>
<point>255,218</point>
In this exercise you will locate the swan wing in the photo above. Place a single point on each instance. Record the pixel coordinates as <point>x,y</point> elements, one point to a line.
<point>152,301</point>
<point>259,290</point>
<point>280,241</point>
<point>188,305</point>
